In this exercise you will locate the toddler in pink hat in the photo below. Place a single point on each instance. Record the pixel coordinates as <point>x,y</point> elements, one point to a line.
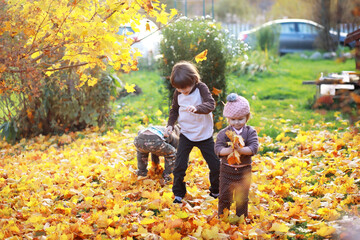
<point>235,178</point>
<point>236,106</point>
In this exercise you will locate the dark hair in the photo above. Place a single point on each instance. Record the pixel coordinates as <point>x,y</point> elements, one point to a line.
<point>184,74</point>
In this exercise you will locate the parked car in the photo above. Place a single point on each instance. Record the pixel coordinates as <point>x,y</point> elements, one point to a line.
<point>296,35</point>
<point>147,39</point>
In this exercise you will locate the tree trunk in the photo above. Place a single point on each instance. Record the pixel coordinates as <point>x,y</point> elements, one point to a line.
<point>326,42</point>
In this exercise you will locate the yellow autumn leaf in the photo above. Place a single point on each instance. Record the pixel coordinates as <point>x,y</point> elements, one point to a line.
<point>182,214</point>
<point>201,56</point>
<point>130,88</point>
<point>234,158</point>
<point>146,221</point>
<point>142,230</point>
<point>216,91</point>
<point>2,67</point>
<point>111,231</point>
<point>158,113</point>
<point>279,227</point>
<point>92,81</point>
<point>14,229</point>
<point>325,231</point>
<point>64,237</point>
<point>173,12</point>
<point>280,136</point>
<point>219,124</point>
<point>102,221</point>
<point>35,54</point>
<point>211,233</point>
<point>86,230</point>
<point>168,234</point>
<point>147,213</point>
<point>234,219</point>
<point>49,73</point>
<point>328,214</point>
<point>192,46</point>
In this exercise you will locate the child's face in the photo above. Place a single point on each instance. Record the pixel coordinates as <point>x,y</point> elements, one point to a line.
<point>237,123</point>
<point>186,90</point>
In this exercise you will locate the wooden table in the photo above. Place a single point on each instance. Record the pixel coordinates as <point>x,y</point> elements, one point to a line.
<point>333,86</point>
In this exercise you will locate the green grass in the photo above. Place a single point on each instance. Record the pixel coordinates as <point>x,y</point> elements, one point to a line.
<point>278,99</point>
<point>149,107</point>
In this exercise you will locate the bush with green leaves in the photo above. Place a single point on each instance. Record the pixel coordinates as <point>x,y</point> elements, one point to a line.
<point>253,63</point>
<point>60,106</point>
<point>186,38</point>
<point>267,38</point>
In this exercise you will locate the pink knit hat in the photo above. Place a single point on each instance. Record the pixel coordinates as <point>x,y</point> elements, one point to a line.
<point>236,107</point>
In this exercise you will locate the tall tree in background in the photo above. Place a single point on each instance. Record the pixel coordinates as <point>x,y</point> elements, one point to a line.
<point>325,42</point>
<point>332,13</point>
<point>232,11</point>
<point>291,9</point>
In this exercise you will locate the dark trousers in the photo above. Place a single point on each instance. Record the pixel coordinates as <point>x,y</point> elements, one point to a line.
<point>182,160</point>
<point>234,186</point>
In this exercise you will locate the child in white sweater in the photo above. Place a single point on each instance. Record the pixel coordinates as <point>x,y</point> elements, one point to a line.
<point>192,107</point>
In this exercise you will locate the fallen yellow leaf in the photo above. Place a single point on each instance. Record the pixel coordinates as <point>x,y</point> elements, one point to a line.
<point>279,227</point>
<point>201,56</point>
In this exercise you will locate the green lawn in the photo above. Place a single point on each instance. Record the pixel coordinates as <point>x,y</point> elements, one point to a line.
<point>278,99</point>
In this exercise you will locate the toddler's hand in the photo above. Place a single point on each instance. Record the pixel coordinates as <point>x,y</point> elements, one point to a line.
<point>191,108</point>
<point>238,148</point>
<point>168,131</point>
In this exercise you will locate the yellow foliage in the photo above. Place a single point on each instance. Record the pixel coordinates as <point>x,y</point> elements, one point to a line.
<point>85,31</point>
<point>84,184</point>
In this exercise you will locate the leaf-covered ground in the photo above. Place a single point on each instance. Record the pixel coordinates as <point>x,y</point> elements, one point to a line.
<point>305,185</point>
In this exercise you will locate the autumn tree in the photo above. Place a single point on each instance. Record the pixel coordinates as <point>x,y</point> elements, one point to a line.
<point>50,50</point>
<point>291,9</point>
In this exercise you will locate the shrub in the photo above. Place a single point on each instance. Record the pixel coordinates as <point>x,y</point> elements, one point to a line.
<point>253,63</point>
<point>186,38</point>
<point>58,107</point>
<point>267,38</point>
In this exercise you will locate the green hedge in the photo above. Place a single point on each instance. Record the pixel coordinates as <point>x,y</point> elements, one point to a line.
<point>186,38</point>
<point>60,106</point>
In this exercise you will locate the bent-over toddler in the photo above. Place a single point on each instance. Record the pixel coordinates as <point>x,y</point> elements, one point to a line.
<point>151,140</point>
